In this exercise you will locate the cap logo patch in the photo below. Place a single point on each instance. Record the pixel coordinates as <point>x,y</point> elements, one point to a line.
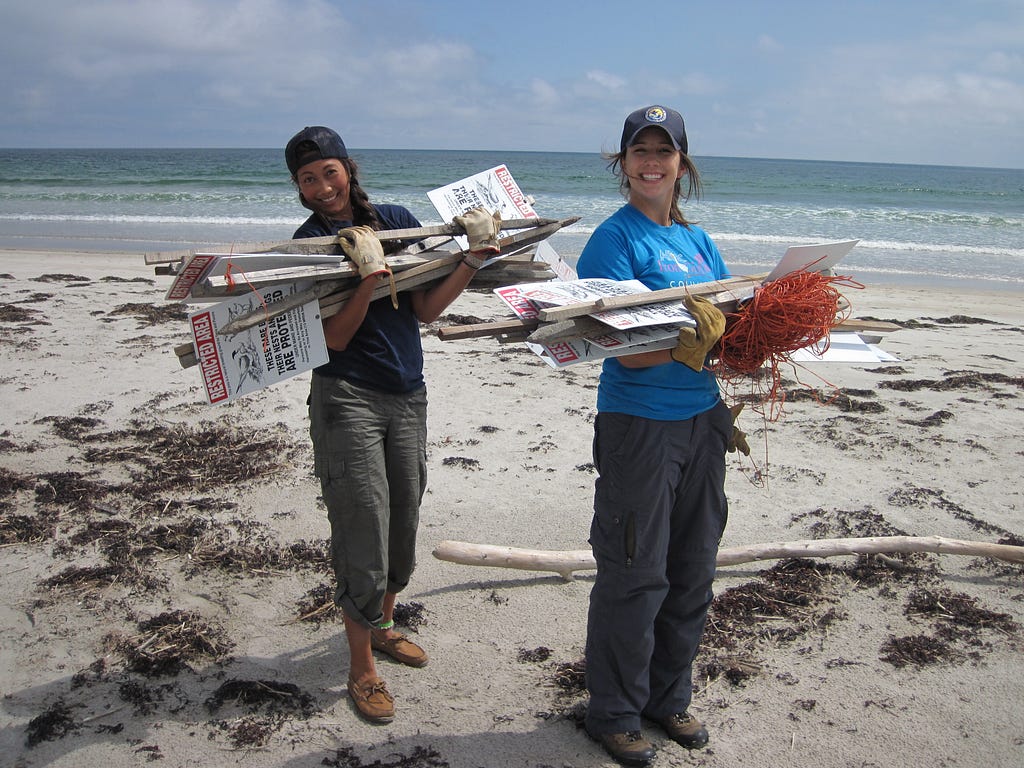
<point>655,115</point>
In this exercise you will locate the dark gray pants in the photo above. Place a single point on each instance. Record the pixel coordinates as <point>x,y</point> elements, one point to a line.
<point>659,514</point>
<point>370,455</point>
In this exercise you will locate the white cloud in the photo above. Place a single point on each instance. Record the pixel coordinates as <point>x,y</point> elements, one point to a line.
<point>606,79</point>
<point>544,94</point>
<point>217,72</point>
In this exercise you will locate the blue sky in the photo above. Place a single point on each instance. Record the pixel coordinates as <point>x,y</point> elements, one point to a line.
<point>890,81</point>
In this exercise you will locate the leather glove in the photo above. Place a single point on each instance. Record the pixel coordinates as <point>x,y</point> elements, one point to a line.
<point>365,251</point>
<point>738,441</point>
<point>482,229</point>
<point>694,344</point>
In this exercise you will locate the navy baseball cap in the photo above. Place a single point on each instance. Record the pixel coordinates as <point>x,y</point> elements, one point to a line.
<point>313,143</point>
<point>667,119</point>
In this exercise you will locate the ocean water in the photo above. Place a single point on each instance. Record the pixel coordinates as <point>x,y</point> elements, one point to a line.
<point>917,225</point>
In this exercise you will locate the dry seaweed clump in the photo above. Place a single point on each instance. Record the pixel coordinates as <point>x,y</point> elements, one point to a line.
<point>22,529</point>
<point>571,677</point>
<point>26,529</point>
<point>843,400</point>
<point>791,600</point>
<point>317,605</point>
<point>86,582</point>
<point>183,458</point>
<point>253,554</point>
<point>919,650</point>
<point>956,618</point>
<point>166,643</point>
<point>421,757</point>
<point>69,489</point>
<point>957,614</point>
<point>151,314</point>
<point>533,655</point>
<point>55,723</point>
<point>12,314</point>
<point>268,704</point>
<point>410,615</point>
<point>267,695</point>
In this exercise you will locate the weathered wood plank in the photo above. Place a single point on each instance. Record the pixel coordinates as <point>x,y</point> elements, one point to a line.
<point>738,288</point>
<point>327,243</point>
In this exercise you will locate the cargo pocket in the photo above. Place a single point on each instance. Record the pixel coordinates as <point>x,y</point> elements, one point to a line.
<point>328,466</point>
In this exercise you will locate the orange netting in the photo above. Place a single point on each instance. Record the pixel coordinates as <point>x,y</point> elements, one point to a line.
<point>784,315</point>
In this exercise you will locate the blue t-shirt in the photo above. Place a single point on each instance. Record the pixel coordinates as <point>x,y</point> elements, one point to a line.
<point>386,353</point>
<point>628,246</point>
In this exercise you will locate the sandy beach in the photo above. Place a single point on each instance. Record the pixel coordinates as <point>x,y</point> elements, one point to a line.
<point>166,587</point>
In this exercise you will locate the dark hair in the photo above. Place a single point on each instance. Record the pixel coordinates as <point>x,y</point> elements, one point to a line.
<point>363,212</point>
<point>675,213</point>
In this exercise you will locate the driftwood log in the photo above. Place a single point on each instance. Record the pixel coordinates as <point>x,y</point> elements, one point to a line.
<point>565,562</point>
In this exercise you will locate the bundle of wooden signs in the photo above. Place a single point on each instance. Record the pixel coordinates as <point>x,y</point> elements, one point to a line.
<point>269,280</point>
<point>585,320</point>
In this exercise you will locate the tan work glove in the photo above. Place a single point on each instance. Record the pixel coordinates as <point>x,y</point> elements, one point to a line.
<point>738,441</point>
<point>482,229</point>
<point>695,343</point>
<point>365,251</point>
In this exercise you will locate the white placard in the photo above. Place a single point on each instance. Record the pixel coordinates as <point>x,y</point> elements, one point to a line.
<point>274,350</point>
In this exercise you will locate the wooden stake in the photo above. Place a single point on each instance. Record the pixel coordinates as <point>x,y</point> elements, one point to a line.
<point>414,277</point>
<point>329,243</point>
<point>718,292</point>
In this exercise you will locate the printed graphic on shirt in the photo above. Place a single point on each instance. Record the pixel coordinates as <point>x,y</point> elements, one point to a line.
<point>680,269</point>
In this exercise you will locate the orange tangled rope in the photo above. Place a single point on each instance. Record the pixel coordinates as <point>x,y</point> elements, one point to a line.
<point>785,315</point>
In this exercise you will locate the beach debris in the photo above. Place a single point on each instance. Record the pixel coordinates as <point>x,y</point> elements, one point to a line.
<point>588,320</point>
<point>272,297</point>
<point>793,315</point>
<point>257,694</point>
<point>269,705</point>
<point>166,643</point>
<point>533,655</point>
<point>919,650</point>
<point>566,562</point>
<point>420,757</point>
<point>55,723</point>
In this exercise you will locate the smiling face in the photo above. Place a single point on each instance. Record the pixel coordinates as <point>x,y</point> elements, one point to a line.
<point>653,166</point>
<point>325,186</point>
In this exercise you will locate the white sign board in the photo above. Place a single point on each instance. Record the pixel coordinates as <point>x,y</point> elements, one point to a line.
<point>655,326</point>
<point>201,267</point>
<point>275,350</point>
<point>842,347</point>
<point>812,258</point>
<point>495,190</point>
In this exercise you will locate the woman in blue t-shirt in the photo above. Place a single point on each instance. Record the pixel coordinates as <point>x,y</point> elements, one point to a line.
<point>368,407</point>
<point>660,441</point>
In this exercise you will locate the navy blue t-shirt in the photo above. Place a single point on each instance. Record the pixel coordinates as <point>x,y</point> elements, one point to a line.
<point>386,353</point>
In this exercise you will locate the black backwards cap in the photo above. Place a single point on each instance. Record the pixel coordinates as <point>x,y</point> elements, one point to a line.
<point>313,143</point>
<point>667,119</point>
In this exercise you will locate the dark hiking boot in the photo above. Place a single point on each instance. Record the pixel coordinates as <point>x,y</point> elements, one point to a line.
<point>686,730</point>
<point>629,748</point>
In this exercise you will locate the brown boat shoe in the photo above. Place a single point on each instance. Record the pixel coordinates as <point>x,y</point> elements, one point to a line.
<point>400,648</point>
<point>373,700</point>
